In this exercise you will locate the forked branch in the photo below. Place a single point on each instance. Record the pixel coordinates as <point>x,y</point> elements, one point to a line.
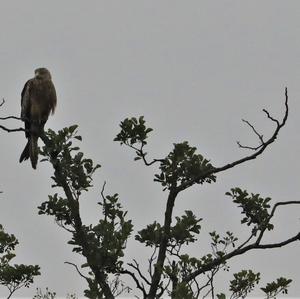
<point>243,248</point>
<point>258,151</point>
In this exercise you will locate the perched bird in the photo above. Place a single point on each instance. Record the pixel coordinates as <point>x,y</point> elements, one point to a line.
<point>38,100</point>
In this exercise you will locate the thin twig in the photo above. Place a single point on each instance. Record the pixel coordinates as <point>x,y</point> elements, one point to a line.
<point>104,201</point>
<point>254,130</point>
<point>77,269</point>
<point>280,203</point>
<point>142,154</point>
<point>150,260</point>
<point>12,130</point>
<point>240,251</point>
<point>138,285</point>
<point>270,117</point>
<point>257,153</point>
<point>11,117</point>
<point>137,268</point>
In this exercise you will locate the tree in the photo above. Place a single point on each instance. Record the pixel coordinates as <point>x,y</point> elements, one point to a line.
<point>14,276</point>
<point>170,271</point>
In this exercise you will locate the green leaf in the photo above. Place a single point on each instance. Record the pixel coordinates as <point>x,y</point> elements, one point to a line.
<point>78,138</point>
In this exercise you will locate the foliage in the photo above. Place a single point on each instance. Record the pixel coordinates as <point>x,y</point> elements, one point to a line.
<point>102,244</point>
<point>50,295</point>
<point>183,165</point>
<point>47,295</point>
<point>171,269</point>
<point>254,207</point>
<point>133,131</point>
<point>274,288</point>
<point>14,276</point>
<point>243,283</point>
<point>183,232</point>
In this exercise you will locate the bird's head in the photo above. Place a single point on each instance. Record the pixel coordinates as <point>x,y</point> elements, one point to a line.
<point>42,74</point>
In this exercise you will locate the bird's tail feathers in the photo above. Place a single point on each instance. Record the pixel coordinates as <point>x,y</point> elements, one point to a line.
<point>33,150</point>
<point>25,154</point>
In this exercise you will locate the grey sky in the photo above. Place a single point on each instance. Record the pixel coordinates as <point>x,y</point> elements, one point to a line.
<point>193,69</point>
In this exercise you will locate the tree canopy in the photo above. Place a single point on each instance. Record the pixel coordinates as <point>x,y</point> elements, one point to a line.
<point>170,271</point>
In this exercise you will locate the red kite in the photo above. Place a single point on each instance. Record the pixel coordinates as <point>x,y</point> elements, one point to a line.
<point>38,100</point>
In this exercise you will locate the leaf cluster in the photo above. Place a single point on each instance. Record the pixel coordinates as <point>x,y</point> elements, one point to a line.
<point>108,238</point>
<point>75,170</point>
<point>183,290</point>
<point>243,283</point>
<point>133,131</point>
<point>254,207</point>
<point>103,243</point>
<point>17,275</point>
<point>274,288</point>
<point>184,231</point>
<point>183,165</point>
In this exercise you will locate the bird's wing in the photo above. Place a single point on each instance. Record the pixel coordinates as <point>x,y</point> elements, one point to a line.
<point>25,99</point>
<point>25,105</point>
<point>52,97</point>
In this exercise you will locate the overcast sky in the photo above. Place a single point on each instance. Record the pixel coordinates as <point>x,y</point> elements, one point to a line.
<point>193,69</point>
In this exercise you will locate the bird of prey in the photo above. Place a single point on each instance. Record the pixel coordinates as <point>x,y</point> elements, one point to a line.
<point>38,100</point>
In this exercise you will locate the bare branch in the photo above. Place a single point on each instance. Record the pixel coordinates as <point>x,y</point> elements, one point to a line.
<point>137,268</point>
<point>278,204</point>
<point>77,269</point>
<point>138,285</point>
<point>104,201</point>
<point>12,130</point>
<point>254,130</point>
<point>283,203</point>
<point>271,118</point>
<point>239,251</point>
<point>210,283</point>
<point>261,149</point>
<point>150,260</point>
<point>11,117</point>
<point>247,241</point>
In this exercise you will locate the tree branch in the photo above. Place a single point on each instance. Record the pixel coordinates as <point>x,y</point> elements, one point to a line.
<point>163,244</point>
<point>12,130</point>
<point>278,204</point>
<point>138,285</point>
<point>137,268</point>
<point>216,262</point>
<point>100,275</point>
<point>11,117</point>
<point>77,269</point>
<point>142,154</point>
<point>261,149</point>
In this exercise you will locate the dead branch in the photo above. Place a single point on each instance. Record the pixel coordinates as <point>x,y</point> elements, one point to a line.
<point>77,269</point>
<point>137,268</point>
<point>216,262</point>
<point>258,152</point>
<point>151,260</point>
<point>138,284</point>
<point>256,133</point>
<point>12,130</point>
<point>278,204</point>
